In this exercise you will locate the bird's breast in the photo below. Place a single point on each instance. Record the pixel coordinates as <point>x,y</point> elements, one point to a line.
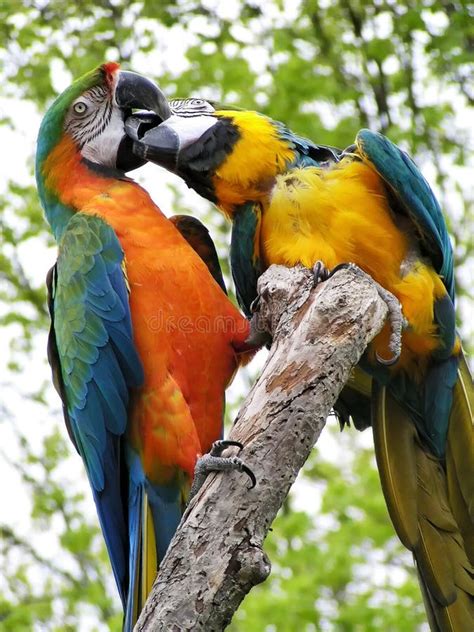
<point>336,215</point>
<point>342,215</point>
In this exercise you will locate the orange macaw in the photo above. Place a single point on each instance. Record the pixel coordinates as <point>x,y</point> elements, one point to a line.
<point>144,341</point>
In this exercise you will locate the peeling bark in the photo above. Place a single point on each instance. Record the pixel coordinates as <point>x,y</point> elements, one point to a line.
<point>216,556</point>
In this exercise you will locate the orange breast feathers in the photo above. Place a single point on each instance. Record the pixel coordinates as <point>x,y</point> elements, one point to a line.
<point>187,331</point>
<point>339,215</point>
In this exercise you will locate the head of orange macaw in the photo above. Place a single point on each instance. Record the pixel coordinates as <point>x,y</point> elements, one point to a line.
<point>83,134</point>
<point>91,114</point>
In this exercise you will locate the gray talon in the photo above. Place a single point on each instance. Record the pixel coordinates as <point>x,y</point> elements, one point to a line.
<point>320,273</point>
<point>249,473</point>
<point>255,304</point>
<point>214,462</point>
<point>220,445</point>
<point>390,362</point>
<point>395,316</point>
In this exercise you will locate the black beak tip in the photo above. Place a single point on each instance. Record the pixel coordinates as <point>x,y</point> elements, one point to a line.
<point>139,149</point>
<point>160,144</point>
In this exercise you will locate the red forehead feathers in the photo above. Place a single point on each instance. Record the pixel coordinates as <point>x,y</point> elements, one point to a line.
<point>109,70</point>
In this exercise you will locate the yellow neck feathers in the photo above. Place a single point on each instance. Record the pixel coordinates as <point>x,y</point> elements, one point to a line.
<point>248,173</point>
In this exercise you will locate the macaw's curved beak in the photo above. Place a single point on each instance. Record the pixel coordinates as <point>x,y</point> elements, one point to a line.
<point>152,141</point>
<point>135,91</point>
<point>178,142</point>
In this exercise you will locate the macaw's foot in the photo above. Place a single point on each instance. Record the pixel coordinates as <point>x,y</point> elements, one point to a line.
<point>255,304</point>
<point>215,462</point>
<point>397,325</point>
<point>321,273</point>
<point>395,316</point>
<point>258,336</point>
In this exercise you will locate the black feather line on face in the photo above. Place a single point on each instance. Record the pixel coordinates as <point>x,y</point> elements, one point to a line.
<point>198,162</point>
<point>83,130</point>
<point>211,149</point>
<point>191,108</point>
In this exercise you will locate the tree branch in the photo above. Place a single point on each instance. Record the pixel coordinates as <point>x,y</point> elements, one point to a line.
<point>216,555</point>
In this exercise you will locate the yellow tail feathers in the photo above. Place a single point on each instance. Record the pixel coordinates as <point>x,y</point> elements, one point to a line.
<point>460,456</point>
<point>149,559</point>
<point>146,561</point>
<point>431,503</point>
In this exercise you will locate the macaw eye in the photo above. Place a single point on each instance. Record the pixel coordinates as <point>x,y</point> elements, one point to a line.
<point>80,107</point>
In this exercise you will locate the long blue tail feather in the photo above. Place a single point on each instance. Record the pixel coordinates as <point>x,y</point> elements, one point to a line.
<point>111,516</point>
<point>166,506</point>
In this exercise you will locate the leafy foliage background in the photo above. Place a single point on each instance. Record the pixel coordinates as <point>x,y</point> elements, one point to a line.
<point>326,68</point>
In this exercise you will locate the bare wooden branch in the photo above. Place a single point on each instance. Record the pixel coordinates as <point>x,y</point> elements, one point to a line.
<point>216,555</point>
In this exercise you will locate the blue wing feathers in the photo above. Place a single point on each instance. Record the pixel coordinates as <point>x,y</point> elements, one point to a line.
<point>89,429</point>
<point>130,365</point>
<point>113,391</point>
<point>136,490</point>
<point>93,331</point>
<point>88,353</point>
<point>99,366</point>
<point>429,403</point>
<point>308,154</point>
<point>438,397</point>
<point>415,194</point>
<point>245,268</point>
<point>445,317</point>
<point>112,517</point>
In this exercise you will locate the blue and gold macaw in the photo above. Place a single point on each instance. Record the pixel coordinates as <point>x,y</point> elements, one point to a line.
<point>291,202</point>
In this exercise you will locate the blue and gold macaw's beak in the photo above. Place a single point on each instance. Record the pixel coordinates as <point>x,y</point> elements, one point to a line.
<point>154,139</point>
<point>178,142</point>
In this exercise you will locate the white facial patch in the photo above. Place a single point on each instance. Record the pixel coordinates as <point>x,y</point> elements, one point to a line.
<point>96,124</point>
<point>189,129</point>
<point>191,107</point>
<point>103,148</point>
